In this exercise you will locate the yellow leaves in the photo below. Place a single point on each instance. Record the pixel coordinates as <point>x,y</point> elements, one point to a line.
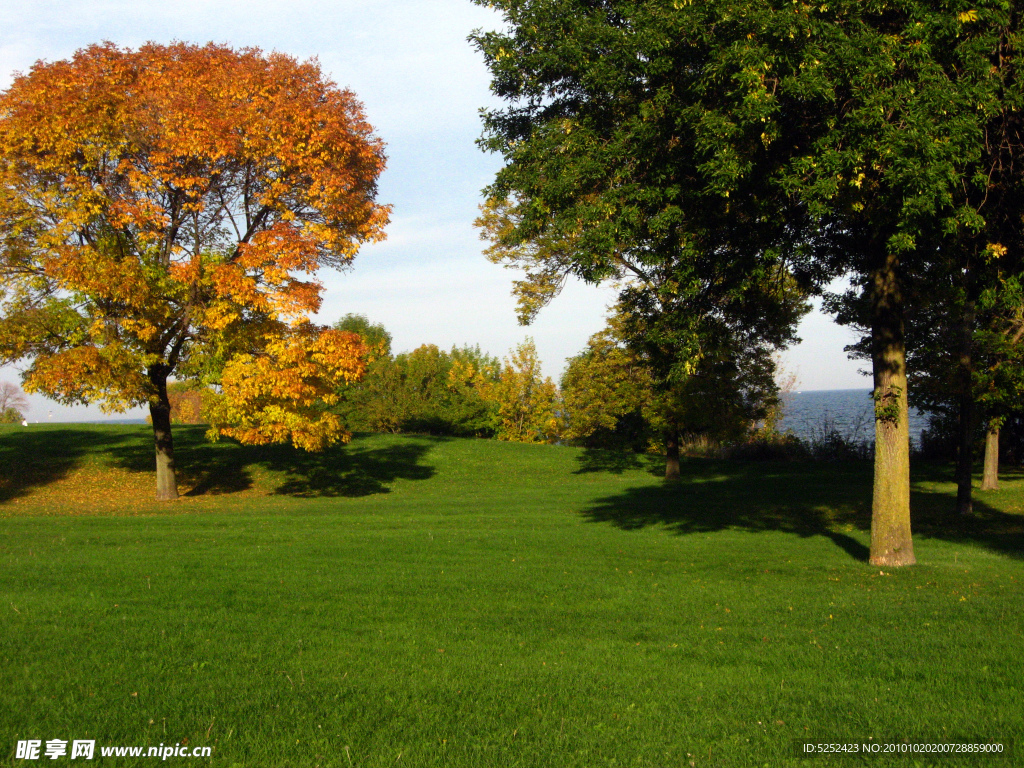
<point>280,425</point>
<point>464,374</point>
<point>340,353</point>
<point>994,251</point>
<point>527,402</point>
<point>87,269</point>
<point>125,131</point>
<point>230,281</point>
<point>280,249</point>
<point>188,272</point>
<point>90,489</point>
<point>220,314</point>
<point>965,17</point>
<point>278,395</point>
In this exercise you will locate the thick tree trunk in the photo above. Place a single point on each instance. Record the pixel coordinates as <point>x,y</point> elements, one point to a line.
<point>891,543</point>
<point>672,453</point>
<point>965,449</point>
<point>160,412</point>
<point>990,478</point>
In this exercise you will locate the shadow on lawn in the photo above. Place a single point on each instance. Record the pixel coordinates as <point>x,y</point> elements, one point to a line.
<point>617,462</point>
<point>351,470</point>
<point>355,469</point>
<point>39,457</point>
<point>805,498</point>
<point>32,457</point>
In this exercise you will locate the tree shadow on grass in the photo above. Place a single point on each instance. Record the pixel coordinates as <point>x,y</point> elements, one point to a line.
<point>714,495</point>
<point>616,462</point>
<point>37,456</point>
<point>354,470</point>
<point>360,468</point>
<point>808,499</point>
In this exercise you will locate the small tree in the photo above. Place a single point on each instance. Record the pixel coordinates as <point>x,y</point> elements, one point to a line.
<point>186,404</point>
<point>528,403</point>
<point>606,392</point>
<point>162,212</point>
<point>375,336</point>
<point>13,403</point>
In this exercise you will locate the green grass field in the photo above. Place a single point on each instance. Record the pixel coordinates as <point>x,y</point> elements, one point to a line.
<point>412,601</point>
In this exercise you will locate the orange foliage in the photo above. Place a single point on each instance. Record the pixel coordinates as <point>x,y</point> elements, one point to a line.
<point>156,203</point>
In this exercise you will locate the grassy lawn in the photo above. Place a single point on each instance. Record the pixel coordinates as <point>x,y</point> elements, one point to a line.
<point>410,601</point>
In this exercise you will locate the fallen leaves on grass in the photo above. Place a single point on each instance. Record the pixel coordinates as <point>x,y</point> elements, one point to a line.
<point>97,489</point>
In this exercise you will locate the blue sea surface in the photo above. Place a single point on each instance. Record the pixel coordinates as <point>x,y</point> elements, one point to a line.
<point>849,411</point>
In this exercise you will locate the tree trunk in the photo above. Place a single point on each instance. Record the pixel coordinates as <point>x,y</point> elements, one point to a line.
<point>965,449</point>
<point>160,412</point>
<point>891,543</point>
<point>672,453</point>
<point>990,478</point>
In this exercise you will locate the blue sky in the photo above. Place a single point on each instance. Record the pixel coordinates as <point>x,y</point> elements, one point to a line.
<point>422,86</point>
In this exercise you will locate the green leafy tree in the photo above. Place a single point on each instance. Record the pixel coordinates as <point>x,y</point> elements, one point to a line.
<point>999,380</point>
<point>427,390</point>
<point>610,397</point>
<point>472,380</point>
<point>918,183</point>
<point>912,178</point>
<point>606,391</point>
<point>965,359</point>
<point>995,383</point>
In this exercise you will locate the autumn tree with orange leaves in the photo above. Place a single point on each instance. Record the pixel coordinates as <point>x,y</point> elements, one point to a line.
<point>162,213</point>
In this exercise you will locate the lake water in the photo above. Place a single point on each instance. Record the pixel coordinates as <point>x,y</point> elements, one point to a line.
<point>850,411</point>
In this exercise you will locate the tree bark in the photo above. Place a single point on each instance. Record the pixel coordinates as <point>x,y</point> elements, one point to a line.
<point>672,453</point>
<point>891,543</point>
<point>965,383</point>
<point>990,477</point>
<point>160,412</point>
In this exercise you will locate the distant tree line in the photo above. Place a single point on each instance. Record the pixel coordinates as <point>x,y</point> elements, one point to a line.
<point>606,399</point>
<point>463,392</point>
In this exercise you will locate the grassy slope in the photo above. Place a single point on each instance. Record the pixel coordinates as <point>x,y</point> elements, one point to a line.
<point>417,601</point>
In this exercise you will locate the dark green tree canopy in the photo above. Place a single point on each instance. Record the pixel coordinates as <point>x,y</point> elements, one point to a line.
<point>639,147</point>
